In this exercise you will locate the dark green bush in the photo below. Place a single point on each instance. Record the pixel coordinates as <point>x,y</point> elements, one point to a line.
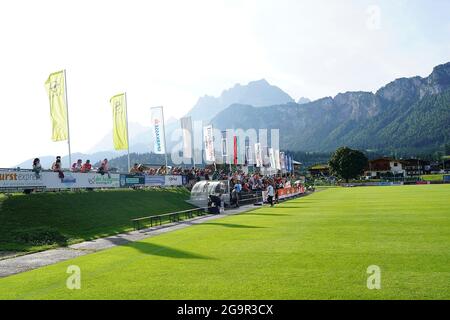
<point>39,236</point>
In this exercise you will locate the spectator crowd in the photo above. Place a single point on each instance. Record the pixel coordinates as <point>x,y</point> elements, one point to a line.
<point>240,182</point>
<point>78,166</point>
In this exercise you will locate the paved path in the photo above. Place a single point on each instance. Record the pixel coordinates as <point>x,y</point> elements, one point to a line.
<point>18,264</point>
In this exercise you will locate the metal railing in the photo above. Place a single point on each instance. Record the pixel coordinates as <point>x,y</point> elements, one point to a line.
<point>93,170</point>
<point>250,196</point>
<point>169,217</point>
<point>190,213</point>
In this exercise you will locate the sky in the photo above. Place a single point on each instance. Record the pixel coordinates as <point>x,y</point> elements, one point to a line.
<point>169,53</point>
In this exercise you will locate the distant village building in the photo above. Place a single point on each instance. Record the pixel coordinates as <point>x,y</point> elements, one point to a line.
<point>319,170</point>
<point>416,167</point>
<point>385,167</point>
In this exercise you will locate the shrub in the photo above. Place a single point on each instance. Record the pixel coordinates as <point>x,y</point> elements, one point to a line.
<point>39,236</point>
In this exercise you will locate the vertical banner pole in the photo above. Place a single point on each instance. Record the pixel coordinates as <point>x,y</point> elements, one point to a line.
<point>164,136</point>
<point>67,111</point>
<point>192,144</point>
<point>128,137</point>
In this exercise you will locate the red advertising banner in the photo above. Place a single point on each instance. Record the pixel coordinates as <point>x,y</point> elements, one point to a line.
<point>288,192</point>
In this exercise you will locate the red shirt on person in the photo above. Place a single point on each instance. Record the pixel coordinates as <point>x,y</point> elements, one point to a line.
<point>86,167</point>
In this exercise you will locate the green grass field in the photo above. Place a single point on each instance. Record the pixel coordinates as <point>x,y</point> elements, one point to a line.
<point>317,247</point>
<point>80,216</point>
<point>433,177</point>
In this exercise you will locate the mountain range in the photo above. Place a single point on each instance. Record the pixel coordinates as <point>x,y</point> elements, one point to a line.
<point>409,115</point>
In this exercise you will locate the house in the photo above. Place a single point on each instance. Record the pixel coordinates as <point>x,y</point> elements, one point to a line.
<point>385,167</point>
<point>416,167</point>
<point>319,170</point>
<point>442,166</point>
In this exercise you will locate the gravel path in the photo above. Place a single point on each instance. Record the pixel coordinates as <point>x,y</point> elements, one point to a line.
<point>8,254</point>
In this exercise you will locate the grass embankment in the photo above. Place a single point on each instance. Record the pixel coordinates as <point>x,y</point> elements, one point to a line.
<point>433,177</point>
<point>44,220</point>
<point>318,247</point>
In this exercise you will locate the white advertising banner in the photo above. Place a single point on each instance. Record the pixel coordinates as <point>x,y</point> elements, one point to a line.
<point>173,180</point>
<point>277,160</point>
<point>51,180</point>
<point>273,165</point>
<point>18,179</point>
<point>80,180</point>
<point>209,143</point>
<point>282,162</point>
<point>158,130</point>
<point>186,127</point>
<point>258,155</point>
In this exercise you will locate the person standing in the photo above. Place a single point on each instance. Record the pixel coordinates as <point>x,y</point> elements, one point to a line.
<point>235,197</point>
<point>270,194</point>
<point>278,185</point>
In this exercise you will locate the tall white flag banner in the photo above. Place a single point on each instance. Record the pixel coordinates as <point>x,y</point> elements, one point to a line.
<point>186,127</point>
<point>277,160</point>
<point>272,158</point>
<point>209,143</point>
<point>158,130</point>
<point>258,155</point>
<point>224,145</point>
<point>282,162</point>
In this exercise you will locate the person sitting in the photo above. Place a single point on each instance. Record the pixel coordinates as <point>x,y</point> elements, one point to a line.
<point>162,170</point>
<point>104,168</point>
<point>56,167</point>
<point>58,158</point>
<point>135,168</point>
<point>86,167</point>
<point>214,203</point>
<point>76,166</point>
<point>37,168</point>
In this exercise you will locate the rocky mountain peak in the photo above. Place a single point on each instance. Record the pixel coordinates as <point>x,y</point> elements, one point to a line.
<point>439,79</point>
<point>256,93</point>
<point>303,100</point>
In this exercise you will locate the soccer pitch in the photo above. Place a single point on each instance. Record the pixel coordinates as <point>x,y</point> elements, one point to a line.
<point>317,247</point>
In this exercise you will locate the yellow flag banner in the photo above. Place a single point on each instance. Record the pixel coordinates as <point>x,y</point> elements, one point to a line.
<point>55,86</point>
<point>120,132</point>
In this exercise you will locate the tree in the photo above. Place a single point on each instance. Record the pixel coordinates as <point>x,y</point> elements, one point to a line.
<point>447,149</point>
<point>347,163</point>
